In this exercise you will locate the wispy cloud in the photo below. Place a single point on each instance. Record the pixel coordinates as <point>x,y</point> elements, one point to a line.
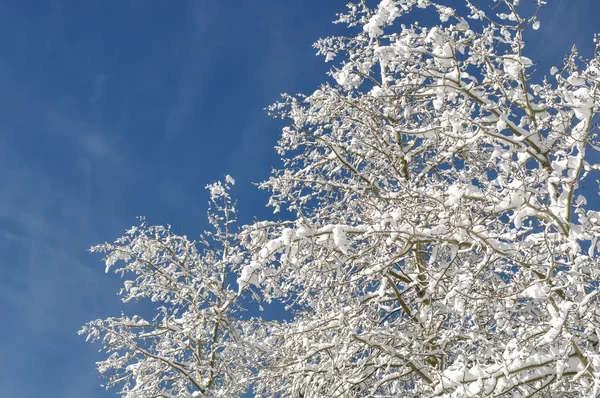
<point>100,84</point>
<point>196,60</point>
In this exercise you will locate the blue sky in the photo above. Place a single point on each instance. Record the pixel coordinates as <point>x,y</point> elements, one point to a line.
<point>114,109</point>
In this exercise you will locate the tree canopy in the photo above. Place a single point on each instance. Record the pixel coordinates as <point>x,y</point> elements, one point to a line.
<point>440,243</point>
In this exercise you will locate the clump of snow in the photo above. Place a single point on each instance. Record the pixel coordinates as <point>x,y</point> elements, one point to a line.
<point>514,65</point>
<point>386,13</point>
<point>249,276</point>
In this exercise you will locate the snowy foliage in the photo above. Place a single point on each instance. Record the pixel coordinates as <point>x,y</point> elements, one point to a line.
<point>193,345</point>
<point>442,242</point>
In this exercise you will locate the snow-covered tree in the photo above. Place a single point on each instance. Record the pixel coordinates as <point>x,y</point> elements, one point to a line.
<point>191,346</point>
<point>441,242</point>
